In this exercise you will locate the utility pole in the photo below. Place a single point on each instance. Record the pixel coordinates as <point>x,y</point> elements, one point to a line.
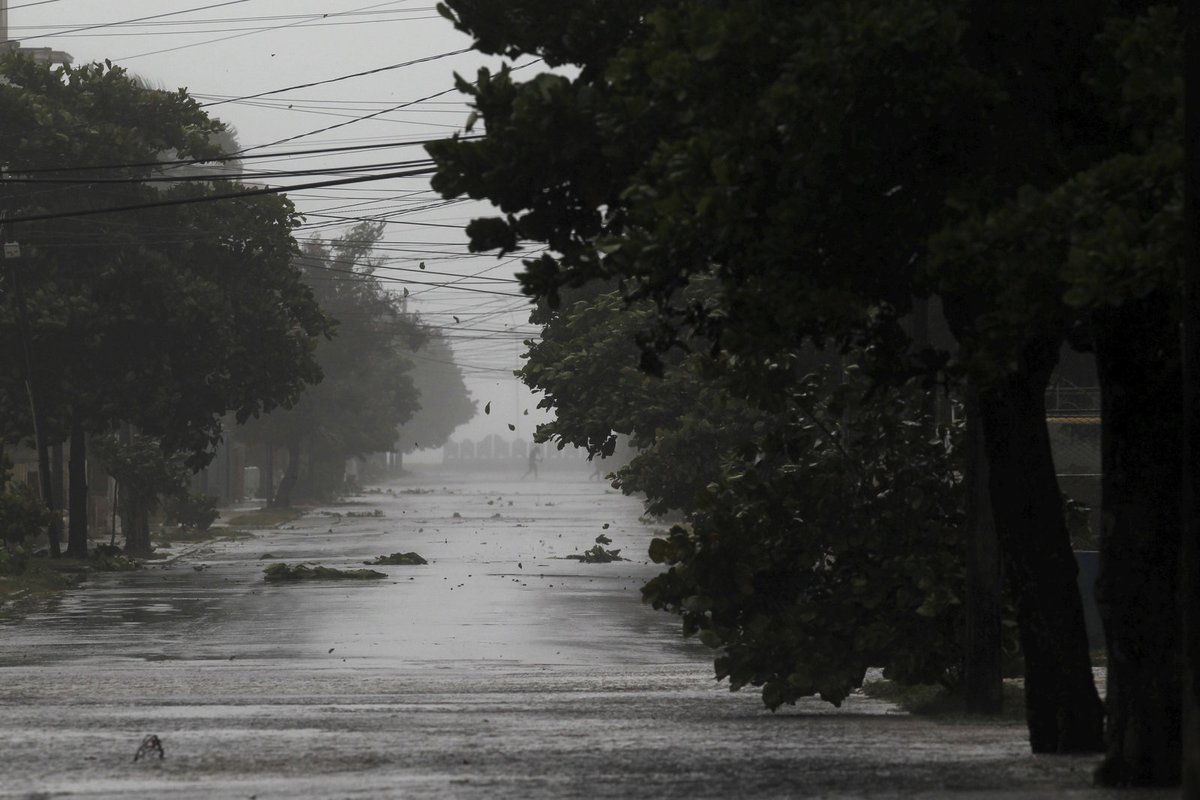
<point>12,253</point>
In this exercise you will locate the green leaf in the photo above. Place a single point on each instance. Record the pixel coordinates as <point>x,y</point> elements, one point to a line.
<point>661,551</point>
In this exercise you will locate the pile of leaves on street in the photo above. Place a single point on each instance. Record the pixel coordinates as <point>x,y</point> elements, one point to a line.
<point>597,554</point>
<point>398,559</point>
<point>303,572</point>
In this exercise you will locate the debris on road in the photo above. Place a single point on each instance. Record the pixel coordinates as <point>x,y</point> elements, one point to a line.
<point>398,559</point>
<point>301,572</point>
<point>150,744</point>
<point>597,554</point>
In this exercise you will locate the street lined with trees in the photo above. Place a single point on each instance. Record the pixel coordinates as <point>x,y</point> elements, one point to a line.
<point>817,263</point>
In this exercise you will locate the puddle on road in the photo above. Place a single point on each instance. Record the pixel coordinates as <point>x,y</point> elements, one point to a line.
<point>495,671</point>
<point>493,591</point>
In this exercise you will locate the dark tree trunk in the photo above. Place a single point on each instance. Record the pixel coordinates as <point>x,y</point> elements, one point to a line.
<point>324,475</point>
<point>283,497</point>
<point>1063,711</point>
<point>77,501</point>
<point>1190,554</point>
<point>46,479</point>
<point>268,478</point>
<point>983,667</point>
<point>57,500</point>
<point>135,522</point>
<point>56,474</point>
<point>1137,355</point>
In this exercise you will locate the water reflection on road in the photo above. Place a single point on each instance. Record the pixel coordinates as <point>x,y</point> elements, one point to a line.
<point>497,589</point>
<point>499,670</point>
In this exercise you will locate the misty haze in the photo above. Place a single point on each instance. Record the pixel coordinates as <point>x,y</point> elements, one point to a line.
<point>639,399</point>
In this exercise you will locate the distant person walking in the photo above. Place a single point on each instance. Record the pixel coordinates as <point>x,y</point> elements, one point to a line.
<point>535,455</point>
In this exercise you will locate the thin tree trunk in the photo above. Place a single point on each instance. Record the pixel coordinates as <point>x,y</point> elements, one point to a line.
<point>1137,358</point>
<point>268,478</point>
<point>46,479</point>
<point>116,499</point>
<point>57,468</point>
<point>77,533</point>
<point>983,673</point>
<point>283,498</point>
<point>1063,711</point>
<point>135,522</point>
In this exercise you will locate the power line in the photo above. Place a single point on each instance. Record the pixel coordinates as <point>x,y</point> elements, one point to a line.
<point>340,78</point>
<point>419,270</point>
<point>84,212</point>
<point>362,118</point>
<point>372,115</point>
<point>224,158</point>
<point>460,364</point>
<point>250,33</point>
<point>248,18</point>
<point>175,27</point>
<point>131,21</point>
<point>31,5</point>
<point>238,176</point>
<point>349,113</point>
<point>343,276</point>
<point>447,106</point>
<point>489,269</point>
<point>337,218</point>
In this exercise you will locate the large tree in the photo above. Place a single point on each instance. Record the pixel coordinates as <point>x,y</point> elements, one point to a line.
<point>1098,256</point>
<point>367,391</point>
<point>821,536</point>
<point>443,400</point>
<point>802,155</point>
<point>680,424</point>
<point>166,319</point>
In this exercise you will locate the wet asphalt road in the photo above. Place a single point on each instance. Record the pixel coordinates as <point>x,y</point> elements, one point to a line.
<point>499,670</point>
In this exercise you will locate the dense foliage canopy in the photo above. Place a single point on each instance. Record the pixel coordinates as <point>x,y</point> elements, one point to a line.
<point>367,391</point>
<point>821,537</point>
<point>444,402</point>
<point>823,164</point>
<point>166,319</point>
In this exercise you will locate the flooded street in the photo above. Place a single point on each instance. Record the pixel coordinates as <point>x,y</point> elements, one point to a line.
<point>499,670</point>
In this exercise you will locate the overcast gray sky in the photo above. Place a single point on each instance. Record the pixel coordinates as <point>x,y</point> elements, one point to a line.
<point>225,51</point>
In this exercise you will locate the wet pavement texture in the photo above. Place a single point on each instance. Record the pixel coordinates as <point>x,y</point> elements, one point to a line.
<point>499,670</point>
